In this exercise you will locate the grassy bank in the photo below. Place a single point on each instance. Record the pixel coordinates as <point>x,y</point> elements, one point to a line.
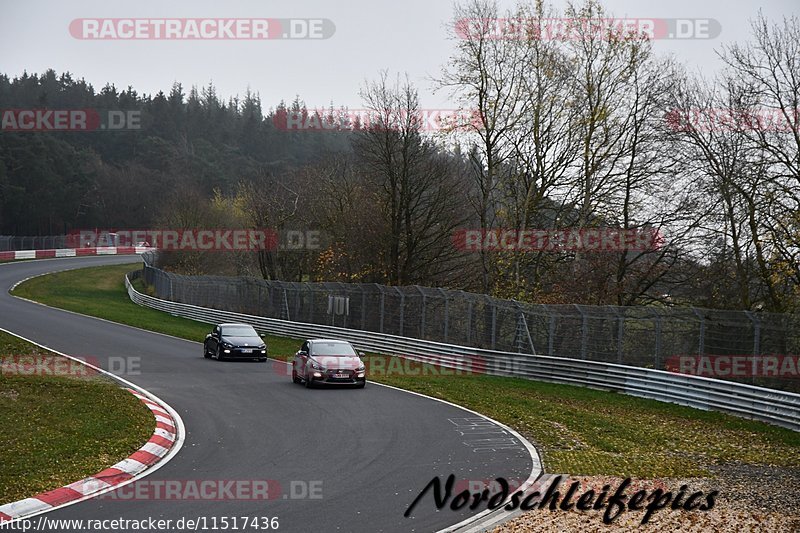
<point>100,292</point>
<point>578,430</point>
<point>58,422</point>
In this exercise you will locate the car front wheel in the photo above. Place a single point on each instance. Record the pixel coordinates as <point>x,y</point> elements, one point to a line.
<point>206,353</point>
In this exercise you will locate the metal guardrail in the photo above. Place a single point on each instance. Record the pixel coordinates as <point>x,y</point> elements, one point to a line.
<point>767,405</point>
<point>662,337</point>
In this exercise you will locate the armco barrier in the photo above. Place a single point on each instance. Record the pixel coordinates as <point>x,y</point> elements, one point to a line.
<point>768,405</point>
<point>71,252</point>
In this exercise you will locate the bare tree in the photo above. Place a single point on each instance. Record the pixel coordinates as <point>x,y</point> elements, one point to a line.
<point>486,74</point>
<point>271,202</point>
<point>345,207</point>
<point>740,135</point>
<point>765,73</point>
<point>418,189</point>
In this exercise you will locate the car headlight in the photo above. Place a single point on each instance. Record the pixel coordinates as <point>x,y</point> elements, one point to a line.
<point>316,366</point>
<point>227,345</point>
<point>361,368</point>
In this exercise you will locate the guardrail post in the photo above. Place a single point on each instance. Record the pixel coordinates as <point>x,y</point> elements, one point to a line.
<point>469,321</point>
<point>620,335</point>
<point>756,344</point>
<point>657,360</point>
<point>702,342</point>
<point>343,288</point>
<point>311,306</point>
<point>446,313</point>
<point>402,308</point>
<point>494,322</point>
<point>422,317</point>
<point>756,332</point>
<point>383,301</point>
<point>551,335</point>
<point>584,335</point>
<point>584,331</point>
<point>285,305</point>
<point>363,307</point>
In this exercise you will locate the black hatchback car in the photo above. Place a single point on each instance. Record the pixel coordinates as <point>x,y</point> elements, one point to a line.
<point>229,341</point>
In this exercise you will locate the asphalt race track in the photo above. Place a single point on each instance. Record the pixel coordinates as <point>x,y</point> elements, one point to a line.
<point>368,453</point>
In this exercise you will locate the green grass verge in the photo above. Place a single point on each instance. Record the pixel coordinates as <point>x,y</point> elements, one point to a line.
<point>579,431</point>
<point>100,292</point>
<point>57,429</point>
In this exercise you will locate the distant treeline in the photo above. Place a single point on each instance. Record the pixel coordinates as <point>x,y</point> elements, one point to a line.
<point>52,182</point>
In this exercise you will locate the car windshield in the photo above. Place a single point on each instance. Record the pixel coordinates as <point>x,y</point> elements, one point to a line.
<point>334,349</point>
<point>239,331</point>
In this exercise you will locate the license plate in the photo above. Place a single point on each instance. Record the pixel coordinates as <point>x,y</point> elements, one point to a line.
<point>341,376</point>
<point>247,351</point>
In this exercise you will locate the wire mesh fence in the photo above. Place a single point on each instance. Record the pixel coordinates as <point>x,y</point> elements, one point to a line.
<point>10,243</point>
<point>752,347</point>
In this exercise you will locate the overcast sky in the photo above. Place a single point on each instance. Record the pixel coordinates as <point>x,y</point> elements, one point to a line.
<point>406,36</point>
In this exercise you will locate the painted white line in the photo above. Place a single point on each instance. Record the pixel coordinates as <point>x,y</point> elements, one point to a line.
<point>20,282</point>
<point>536,460</point>
<point>107,321</point>
<point>536,466</point>
<point>536,469</point>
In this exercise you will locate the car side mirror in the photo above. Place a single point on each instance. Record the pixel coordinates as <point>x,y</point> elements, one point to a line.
<point>262,335</point>
<point>302,352</point>
<point>208,335</point>
<point>362,354</point>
